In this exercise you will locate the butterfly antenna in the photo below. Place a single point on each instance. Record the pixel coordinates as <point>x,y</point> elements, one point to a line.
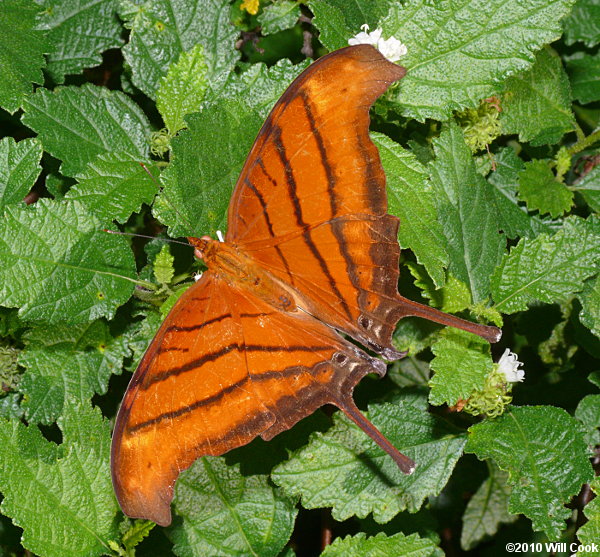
<point>135,235</point>
<point>409,308</point>
<point>351,410</point>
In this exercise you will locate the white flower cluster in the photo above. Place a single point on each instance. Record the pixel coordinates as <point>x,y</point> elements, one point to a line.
<point>509,366</point>
<point>391,48</point>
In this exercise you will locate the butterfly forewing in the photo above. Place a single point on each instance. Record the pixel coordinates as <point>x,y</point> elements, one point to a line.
<point>311,204</point>
<point>313,159</point>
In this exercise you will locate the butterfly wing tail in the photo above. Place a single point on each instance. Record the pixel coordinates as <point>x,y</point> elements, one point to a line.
<point>350,409</point>
<point>409,308</point>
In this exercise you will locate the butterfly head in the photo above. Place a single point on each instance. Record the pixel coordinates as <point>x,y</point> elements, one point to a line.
<point>203,247</point>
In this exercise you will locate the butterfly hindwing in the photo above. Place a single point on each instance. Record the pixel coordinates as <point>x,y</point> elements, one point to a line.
<point>224,367</point>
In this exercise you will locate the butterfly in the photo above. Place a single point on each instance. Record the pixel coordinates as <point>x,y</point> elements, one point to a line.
<point>310,255</point>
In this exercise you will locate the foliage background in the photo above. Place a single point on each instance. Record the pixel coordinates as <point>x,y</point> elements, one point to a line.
<point>491,146</point>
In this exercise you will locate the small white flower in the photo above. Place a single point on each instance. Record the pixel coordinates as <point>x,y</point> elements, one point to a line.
<point>197,276</point>
<point>220,236</point>
<point>391,48</point>
<point>509,366</point>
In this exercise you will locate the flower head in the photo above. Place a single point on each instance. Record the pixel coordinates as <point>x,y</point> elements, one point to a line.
<point>509,366</point>
<point>391,48</point>
<point>251,6</point>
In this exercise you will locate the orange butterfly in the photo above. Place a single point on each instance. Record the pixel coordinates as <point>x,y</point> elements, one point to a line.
<point>254,346</point>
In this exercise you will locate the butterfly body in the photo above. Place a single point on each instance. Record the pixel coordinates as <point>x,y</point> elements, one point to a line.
<point>236,267</point>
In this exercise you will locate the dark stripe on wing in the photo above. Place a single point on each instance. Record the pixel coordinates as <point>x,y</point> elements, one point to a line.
<point>263,204</point>
<point>289,174</point>
<point>198,326</point>
<point>261,200</point>
<point>214,356</point>
<point>216,397</point>
<point>322,151</point>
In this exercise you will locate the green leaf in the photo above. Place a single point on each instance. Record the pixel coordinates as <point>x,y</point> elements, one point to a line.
<point>79,31</point>
<point>207,159</point>
<point>411,198</point>
<point>338,20</point>
<point>60,495</point>
<point>537,104</point>
<point>85,276</point>
<point>10,373</point>
<point>461,364</point>
<point>594,378</point>
<point>583,23</point>
<point>415,335</point>
<point>398,544</point>
<point>259,87</point>
<point>458,55</point>
<point>409,372</point>
<point>279,16</point>
<point>344,469</point>
<point>548,269</point>
<point>589,188</point>
<point>532,443</point>
<point>487,510</point>
<point>163,29</point>
<point>541,191</point>
<point>113,186</point>
<point>10,407</point>
<point>467,213</point>
<point>77,124</point>
<point>139,530</point>
<point>140,334</point>
<point>163,266</point>
<point>19,169</point>
<point>557,350</point>
<point>9,322</point>
<point>588,413</point>
<point>67,363</point>
<point>590,305</point>
<point>57,185</point>
<point>512,218</point>
<point>182,89</point>
<point>453,297</point>
<point>227,513</point>
<point>22,48</point>
<point>589,533</point>
<point>585,78</point>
